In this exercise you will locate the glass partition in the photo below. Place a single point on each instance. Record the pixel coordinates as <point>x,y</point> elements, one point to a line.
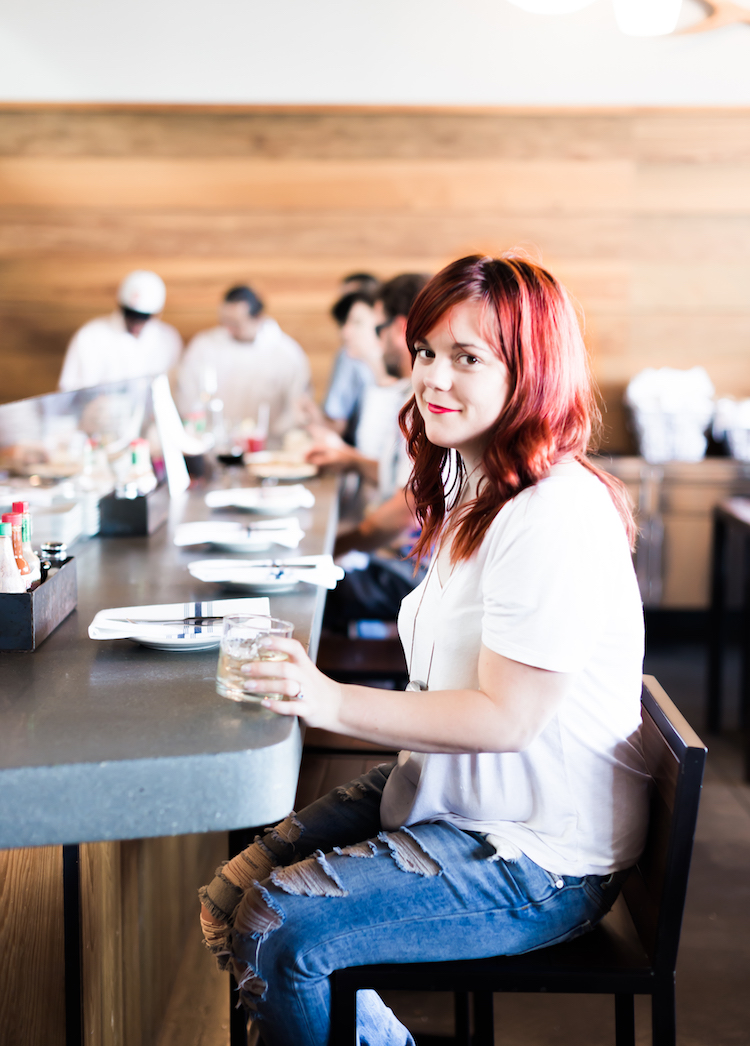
<point>63,449</point>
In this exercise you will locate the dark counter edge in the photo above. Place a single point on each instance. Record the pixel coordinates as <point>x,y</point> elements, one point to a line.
<point>172,796</point>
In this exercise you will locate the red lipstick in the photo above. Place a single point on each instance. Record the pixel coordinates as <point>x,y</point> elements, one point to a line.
<point>433,409</point>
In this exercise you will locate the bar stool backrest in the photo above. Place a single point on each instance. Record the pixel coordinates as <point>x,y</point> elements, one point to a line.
<point>656,888</point>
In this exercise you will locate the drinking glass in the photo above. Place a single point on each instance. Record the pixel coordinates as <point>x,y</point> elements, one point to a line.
<point>242,642</point>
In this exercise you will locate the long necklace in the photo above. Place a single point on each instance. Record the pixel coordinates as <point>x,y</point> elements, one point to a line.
<point>417,684</point>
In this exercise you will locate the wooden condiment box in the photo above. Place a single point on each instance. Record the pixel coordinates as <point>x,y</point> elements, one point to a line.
<point>27,618</point>
<point>131,517</point>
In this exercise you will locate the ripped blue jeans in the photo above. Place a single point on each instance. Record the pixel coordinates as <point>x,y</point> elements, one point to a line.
<point>327,888</point>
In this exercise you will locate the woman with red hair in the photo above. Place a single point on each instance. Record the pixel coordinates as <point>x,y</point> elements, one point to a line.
<point>518,801</point>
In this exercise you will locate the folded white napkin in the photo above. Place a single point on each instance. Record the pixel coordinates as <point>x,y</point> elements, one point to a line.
<point>262,499</point>
<point>127,622</point>
<point>260,535</point>
<point>314,570</point>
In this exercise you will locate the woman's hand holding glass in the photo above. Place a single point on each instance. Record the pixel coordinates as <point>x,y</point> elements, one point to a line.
<point>305,691</point>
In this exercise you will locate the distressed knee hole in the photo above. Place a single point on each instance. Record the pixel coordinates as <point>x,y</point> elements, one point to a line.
<point>252,865</point>
<point>365,849</point>
<point>216,940</point>
<point>288,831</point>
<point>312,877</point>
<point>252,988</point>
<point>257,913</point>
<point>353,791</point>
<point>409,854</point>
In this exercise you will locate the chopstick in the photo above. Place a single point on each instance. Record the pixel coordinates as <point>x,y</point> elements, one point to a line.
<point>168,621</point>
<point>283,564</point>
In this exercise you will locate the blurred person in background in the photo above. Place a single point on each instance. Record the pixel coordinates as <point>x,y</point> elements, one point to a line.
<point>131,342</point>
<point>357,362</point>
<point>358,365</point>
<point>379,454</point>
<point>247,362</point>
<point>378,579</point>
<point>359,281</point>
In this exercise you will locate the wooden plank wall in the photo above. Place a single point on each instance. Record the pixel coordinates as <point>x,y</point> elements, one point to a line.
<point>644,214</point>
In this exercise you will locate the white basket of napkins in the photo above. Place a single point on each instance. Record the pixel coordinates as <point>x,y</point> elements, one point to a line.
<point>671,411</point>
<point>732,422</point>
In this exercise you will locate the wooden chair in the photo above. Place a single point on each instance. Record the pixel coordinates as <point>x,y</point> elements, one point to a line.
<point>633,951</point>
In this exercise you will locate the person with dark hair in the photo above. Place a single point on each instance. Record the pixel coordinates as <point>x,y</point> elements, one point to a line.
<point>250,298</point>
<point>131,342</point>
<point>378,579</point>
<point>378,454</point>
<point>359,281</point>
<point>246,362</point>
<point>358,365</point>
<point>397,297</point>
<point>343,306</point>
<point>520,799</point>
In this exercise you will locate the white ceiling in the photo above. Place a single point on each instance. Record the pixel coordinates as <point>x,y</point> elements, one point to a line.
<point>484,52</point>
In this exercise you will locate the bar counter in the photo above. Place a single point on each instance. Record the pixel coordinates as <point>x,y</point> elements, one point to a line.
<point>121,772</point>
<point>105,740</point>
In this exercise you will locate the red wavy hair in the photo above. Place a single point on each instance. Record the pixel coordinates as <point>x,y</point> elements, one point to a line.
<point>529,320</point>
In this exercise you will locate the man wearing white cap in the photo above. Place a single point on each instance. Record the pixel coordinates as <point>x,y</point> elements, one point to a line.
<point>129,343</point>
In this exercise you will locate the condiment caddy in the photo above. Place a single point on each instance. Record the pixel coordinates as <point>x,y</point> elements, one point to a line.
<point>131,517</point>
<point>138,505</point>
<point>35,596</point>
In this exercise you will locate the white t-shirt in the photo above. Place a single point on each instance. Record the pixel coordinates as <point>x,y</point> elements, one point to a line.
<point>103,351</point>
<point>379,436</point>
<point>272,369</point>
<point>551,586</point>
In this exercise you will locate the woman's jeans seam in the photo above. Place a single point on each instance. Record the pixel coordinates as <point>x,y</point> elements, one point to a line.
<point>423,920</point>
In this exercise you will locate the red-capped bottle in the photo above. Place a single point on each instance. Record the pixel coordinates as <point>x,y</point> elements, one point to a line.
<point>28,552</point>
<point>10,577</point>
<point>16,521</point>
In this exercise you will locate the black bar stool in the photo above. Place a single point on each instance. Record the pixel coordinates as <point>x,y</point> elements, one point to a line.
<point>731,520</point>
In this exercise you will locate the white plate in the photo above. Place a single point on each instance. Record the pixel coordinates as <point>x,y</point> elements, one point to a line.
<point>194,642</point>
<point>260,581</point>
<point>242,546</point>
<point>270,587</point>
<point>266,465</point>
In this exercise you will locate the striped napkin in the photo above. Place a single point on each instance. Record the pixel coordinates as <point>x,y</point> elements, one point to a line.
<point>127,622</point>
<point>315,570</point>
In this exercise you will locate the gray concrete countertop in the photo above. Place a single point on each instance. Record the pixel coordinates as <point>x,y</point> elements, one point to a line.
<point>111,740</point>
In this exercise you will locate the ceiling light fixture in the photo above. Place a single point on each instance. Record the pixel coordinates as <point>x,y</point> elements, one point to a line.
<point>634,17</point>
<point>647,17</point>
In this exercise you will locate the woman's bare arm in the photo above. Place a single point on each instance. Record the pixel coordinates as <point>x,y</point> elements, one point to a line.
<point>510,708</point>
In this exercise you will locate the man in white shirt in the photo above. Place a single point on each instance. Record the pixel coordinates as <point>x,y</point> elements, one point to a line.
<point>131,342</point>
<point>246,362</point>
